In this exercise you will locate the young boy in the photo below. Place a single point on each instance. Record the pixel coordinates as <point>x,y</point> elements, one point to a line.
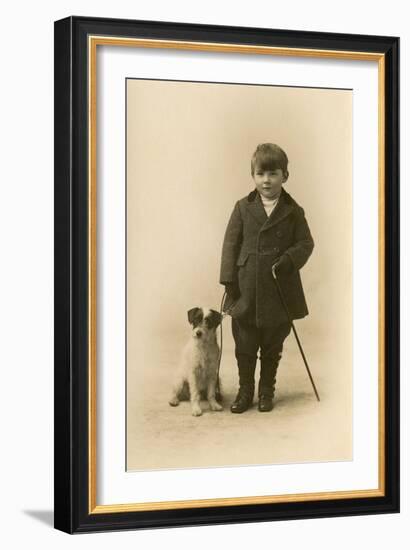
<point>267,230</point>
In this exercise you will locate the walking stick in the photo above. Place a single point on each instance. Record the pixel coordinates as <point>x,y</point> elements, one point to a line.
<point>294,331</point>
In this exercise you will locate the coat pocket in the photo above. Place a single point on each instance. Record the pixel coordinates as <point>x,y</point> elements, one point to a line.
<point>243,256</point>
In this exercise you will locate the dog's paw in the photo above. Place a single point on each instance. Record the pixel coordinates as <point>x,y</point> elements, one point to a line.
<point>174,402</point>
<point>196,411</point>
<point>216,407</point>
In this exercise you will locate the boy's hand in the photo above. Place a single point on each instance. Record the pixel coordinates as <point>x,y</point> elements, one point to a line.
<point>283,266</point>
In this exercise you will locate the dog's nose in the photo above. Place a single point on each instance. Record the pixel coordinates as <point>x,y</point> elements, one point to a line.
<point>199,333</point>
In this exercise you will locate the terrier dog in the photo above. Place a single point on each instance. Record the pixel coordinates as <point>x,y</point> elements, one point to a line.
<point>197,376</point>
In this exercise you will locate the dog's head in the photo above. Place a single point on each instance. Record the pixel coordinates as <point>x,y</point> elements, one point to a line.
<point>204,321</point>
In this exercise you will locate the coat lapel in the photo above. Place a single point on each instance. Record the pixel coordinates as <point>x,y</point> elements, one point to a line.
<point>283,209</point>
<point>255,207</point>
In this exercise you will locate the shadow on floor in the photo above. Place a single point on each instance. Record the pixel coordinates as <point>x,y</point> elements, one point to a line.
<point>294,399</point>
<point>44,516</point>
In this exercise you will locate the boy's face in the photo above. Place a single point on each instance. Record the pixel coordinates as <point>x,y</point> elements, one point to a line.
<point>269,182</point>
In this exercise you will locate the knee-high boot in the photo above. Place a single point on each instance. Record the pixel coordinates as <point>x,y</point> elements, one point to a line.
<point>244,398</point>
<point>271,353</point>
<point>267,382</point>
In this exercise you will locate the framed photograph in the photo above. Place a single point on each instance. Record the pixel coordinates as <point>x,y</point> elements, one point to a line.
<point>226,274</point>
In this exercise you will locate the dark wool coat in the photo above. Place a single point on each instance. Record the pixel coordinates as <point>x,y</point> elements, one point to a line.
<point>253,243</point>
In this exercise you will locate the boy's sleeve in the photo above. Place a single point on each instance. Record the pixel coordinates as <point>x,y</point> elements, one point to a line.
<point>231,247</point>
<point>303,247</point>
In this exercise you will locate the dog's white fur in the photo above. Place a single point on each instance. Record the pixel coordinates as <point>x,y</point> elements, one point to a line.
<point>198,370</point>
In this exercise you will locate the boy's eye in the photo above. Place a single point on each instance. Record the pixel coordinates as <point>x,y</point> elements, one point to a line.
<point>275,173</point>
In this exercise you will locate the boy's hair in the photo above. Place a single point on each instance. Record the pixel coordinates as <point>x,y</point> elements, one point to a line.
<point>269,156</point>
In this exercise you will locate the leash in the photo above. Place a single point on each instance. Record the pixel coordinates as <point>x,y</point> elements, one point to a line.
<point>223,315</point>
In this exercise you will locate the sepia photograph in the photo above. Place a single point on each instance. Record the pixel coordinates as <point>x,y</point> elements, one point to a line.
<point>238,275</point>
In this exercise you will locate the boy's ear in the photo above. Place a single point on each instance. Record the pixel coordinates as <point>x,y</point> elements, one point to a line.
<point>285,176</point>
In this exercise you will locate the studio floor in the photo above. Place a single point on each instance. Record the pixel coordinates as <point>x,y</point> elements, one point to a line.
<point>299,429</point>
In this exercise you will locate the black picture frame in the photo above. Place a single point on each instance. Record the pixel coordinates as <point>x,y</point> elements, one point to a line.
<point>72,276</point>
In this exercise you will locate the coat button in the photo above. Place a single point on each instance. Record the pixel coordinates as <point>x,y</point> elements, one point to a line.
<point>276,249</point>
<point>279,233</point>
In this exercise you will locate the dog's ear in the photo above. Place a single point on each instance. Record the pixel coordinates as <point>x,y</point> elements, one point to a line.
<point>215,318</point>
<point>192,313</point>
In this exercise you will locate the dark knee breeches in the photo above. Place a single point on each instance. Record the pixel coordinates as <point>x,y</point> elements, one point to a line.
<point>250,339</point>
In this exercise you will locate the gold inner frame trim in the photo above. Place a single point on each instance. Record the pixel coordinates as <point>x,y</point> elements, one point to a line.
<point>93,42</point>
